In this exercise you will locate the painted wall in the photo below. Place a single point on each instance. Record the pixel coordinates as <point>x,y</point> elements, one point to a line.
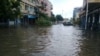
<point>27,6</point>
<point>48,8</point>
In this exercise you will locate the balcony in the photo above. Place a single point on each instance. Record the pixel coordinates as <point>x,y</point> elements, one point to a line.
<point>24,11</point>
<point>29,3</point>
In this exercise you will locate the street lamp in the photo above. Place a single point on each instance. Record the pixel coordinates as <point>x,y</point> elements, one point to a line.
<point>86,14</point>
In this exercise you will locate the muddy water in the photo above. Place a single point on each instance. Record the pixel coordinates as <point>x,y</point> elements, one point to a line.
<point>57,40</point>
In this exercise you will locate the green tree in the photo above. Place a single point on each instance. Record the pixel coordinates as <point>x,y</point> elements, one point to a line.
<point>59,18</point>
<point>43,20</point>
<point>9,9</point>
<point>53,18</point>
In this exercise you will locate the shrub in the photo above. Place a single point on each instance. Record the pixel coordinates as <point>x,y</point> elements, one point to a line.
<point>43,22</point>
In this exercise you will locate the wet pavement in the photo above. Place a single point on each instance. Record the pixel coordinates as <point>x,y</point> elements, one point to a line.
<point>57,40</point>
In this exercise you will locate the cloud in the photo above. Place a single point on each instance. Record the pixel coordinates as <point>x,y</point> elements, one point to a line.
<point>65,7</point>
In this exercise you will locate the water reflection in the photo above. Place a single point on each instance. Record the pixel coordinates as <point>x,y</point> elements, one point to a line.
<point>23,41</point>
<point>34,41</point>
<point>57,40</point>
<point>9,42</point>
<point>90,44</point>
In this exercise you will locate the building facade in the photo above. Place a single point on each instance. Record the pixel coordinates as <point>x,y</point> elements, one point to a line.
<point>90,19</point>
<point>46,7</point>
<point>76,13</point>
<point>49,8</point>
<point>28,7</point>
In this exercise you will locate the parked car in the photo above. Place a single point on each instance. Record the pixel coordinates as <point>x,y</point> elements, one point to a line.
<point>67,23</point>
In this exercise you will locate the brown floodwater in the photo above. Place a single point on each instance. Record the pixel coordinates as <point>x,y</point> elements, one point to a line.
<point>57,40</point>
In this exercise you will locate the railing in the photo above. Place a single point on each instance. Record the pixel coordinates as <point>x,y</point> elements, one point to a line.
<point>29,3</point>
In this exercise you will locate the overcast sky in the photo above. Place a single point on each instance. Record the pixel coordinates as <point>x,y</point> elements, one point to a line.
<point>65,7</point>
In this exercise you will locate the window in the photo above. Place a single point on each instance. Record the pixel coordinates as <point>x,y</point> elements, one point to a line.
<point>26,7</point>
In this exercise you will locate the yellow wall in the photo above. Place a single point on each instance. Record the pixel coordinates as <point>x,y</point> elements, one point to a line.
<point>29,4</point>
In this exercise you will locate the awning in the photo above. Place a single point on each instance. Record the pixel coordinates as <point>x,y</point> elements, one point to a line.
<point>32,16</point>
<point>93,6</point>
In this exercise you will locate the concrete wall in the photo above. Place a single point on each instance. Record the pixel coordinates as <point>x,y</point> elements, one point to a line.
<point>48,7</point>
<point>90,1</point>
<point>27,6</point>
<point>93,1</point>
<point>76,13</point>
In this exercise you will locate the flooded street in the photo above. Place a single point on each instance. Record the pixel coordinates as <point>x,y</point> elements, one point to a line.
<point>57,40</point>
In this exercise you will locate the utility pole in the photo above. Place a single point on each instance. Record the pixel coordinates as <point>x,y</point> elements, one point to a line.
<point>86,14</point>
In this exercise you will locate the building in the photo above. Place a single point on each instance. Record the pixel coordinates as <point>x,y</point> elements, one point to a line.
<point>76,13</point>
<point>90,18</point>
<point>28,7</point>
<point>49,8</point>
<point>46,7</point>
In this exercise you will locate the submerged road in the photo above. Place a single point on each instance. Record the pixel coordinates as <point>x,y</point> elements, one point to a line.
<point>57,40</point>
